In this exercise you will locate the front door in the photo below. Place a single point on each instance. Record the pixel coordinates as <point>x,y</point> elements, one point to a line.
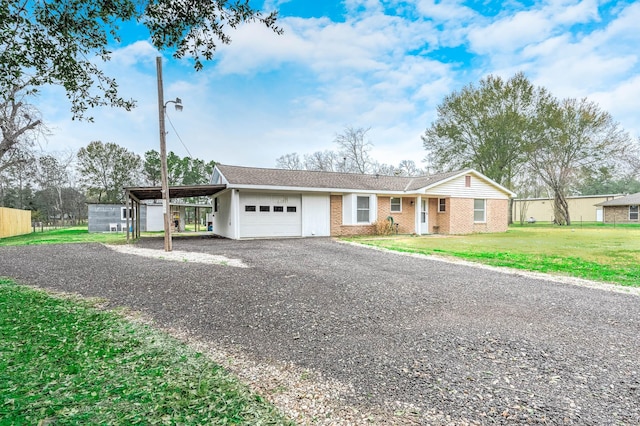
<point>424,217</point>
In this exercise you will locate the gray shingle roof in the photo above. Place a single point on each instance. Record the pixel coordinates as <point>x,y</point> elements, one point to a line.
<point>239,175</point>
<point>629,200</point>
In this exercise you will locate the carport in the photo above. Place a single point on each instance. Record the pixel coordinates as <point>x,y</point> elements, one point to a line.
<point>135,195</point>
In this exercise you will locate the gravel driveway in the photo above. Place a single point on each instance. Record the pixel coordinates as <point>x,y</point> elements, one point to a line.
<point>459,344</point>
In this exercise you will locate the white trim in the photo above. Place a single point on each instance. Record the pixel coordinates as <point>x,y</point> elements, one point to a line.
<point>302,189</point>
<point>484,210</point>
<point>391,205</point>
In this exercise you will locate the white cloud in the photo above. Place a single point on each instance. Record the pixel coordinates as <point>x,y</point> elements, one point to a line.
<point>267,95</point>
<point>511,33</point>
<point>137,52</point>
<point>446,10</point>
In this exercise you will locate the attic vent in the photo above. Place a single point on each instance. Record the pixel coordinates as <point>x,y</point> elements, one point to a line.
<point>467,181</point>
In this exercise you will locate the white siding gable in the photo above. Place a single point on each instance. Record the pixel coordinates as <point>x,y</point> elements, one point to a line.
<point>479,188</point>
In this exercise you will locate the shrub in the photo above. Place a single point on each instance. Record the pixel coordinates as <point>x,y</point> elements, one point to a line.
<point>383,227</point>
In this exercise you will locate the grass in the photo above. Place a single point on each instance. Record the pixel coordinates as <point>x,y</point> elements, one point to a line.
<point>594,252</point>
<point>63,361</point>
<point>77,234</point>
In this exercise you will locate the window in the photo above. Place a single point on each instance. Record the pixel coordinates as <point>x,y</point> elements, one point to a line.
<point>249,208</point>
<point>265,208</point>
<point>216,204</point>
<point>363,209</point>
<point>278,208</point>
<point>479,210</point>
<point>442,205</point>
<point>123,213</point>
<point>633,212</point>
<point>467,181</point>
<point>291,209</point>
<point>396,205</point>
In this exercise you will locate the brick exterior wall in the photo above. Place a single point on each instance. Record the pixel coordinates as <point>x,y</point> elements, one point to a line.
<point>439,222</point>
<point>461,215</point>
<point>457,219</point>
<point>405,219</point>
<point>617,214</point>
<point>337,229</point>
<point>496,216</point>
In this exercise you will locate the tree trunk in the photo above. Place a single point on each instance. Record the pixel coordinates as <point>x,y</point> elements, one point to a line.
<point>561,210</point>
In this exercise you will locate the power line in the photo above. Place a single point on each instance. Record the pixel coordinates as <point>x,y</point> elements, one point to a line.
<point>176,132</point>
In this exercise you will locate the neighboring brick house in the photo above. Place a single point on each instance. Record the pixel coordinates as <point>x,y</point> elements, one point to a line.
<point>621,210</point>
<point>263,203</point>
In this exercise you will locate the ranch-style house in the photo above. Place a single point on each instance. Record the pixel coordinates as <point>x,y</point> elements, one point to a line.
<point>263,203</point>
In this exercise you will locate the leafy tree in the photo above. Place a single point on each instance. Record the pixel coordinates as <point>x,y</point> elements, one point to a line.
<point>485,128</point>
<point>105,169</point>
<point>57,42</point>
<point>181,171</point>
<point>605,181</point>
<point>151,169</point>
<point>176,168</point>
<point>198,172</point>
<point>573,137</point>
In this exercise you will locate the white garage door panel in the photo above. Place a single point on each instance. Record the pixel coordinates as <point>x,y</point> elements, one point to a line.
<point>316,221</point>
<point>270,223</point>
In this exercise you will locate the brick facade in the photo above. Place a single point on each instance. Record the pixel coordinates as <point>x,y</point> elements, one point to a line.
<point>405,219</point>
<point>617,214</point>
<point>337,229</point>
<point>462,220</point>
<point>439,222</point>
<point>456,219</point>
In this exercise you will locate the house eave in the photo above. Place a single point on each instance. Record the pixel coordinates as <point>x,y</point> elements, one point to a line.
<point>317,189</point>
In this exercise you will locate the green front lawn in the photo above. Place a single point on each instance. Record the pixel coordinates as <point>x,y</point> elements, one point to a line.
<point>593,252</point>
<point>76,234</point>
<point>65,362</point>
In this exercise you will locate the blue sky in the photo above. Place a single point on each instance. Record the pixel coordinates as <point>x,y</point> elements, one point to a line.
<point>386,65</point>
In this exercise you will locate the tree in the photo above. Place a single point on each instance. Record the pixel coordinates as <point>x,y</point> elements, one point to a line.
<point>355,150</point>
<point>573,137</point>
<point>198,172</point>
<point>15,181</point>
<point>604,181</point>
<point>176,168</point>
<point>20,123</point>
<point>57,42</point>
<point>289,162</point>
<point>105,169</point>
<point>352,157</point>
<point>484,128</point>
<point>324,161</point>
<point>151,168</point>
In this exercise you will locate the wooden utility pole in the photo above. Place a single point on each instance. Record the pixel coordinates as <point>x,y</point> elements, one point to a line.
<point>166,199</point>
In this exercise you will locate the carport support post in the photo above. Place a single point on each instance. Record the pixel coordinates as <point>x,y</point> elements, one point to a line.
<point>163,161</point>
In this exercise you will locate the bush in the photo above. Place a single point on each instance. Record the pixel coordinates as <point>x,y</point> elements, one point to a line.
<point>383,227</point>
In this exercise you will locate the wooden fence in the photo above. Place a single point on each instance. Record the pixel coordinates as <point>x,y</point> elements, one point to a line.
<point>14,222</point>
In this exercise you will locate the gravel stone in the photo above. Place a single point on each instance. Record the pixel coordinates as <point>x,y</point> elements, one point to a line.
<point>340,334</point>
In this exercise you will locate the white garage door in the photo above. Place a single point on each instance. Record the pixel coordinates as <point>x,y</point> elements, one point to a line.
<point>270,215</point>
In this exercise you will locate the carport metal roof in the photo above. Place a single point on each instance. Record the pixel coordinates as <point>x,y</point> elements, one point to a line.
<point>155,192</point>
